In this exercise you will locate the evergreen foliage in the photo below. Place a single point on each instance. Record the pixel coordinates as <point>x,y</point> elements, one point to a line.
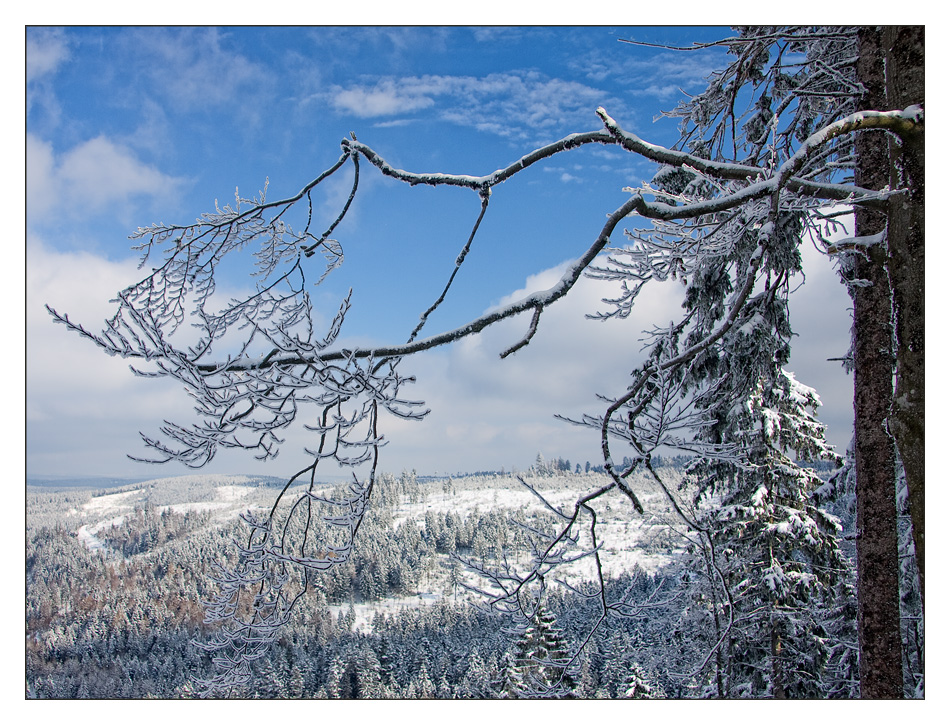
<point>540,665</point>
<point>109,623</point>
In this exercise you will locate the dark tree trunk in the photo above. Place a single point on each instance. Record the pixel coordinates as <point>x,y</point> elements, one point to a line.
<point>904,64</point>
<point>875,459</point>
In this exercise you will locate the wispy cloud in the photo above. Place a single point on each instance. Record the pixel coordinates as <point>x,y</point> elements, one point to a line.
<point>394,124</point>
<point>565,174</point>
<point>392,45</point>
<point>387,98</point>
<point>662,75</point>
<point>517,104</point>
<point>497,34</point>
<point>197,69</point>
<point>46,50</point>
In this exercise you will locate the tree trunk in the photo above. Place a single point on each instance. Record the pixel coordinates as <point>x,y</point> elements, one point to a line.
<point>875,461</point>
<point>778,677</point>
<point>904,75</point>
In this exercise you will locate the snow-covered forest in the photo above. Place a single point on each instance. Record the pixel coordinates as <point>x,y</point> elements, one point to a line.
<point>116,577</point>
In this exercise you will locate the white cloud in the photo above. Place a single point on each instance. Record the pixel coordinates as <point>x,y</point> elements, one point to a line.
<point>393,124</point>
<point>486,412</point>
<point>81,285</point>
<point>99,172</point>
<point>41,182</point>
<point>388,45</point>
<point>385,99</point>
<point>492,413</point>
<point>655,75</point>
<point>84,409</point>
<point>89,177</point>
<point>46,51</point>
<point>496,35</point>
<point>489,413</point>
<point>664,92</point>
<point>820,314</point>
<point>564,175</point>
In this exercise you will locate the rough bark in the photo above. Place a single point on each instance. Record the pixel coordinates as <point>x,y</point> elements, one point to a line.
<point>778,677</point>
<point>875,458</point>
<point>904,74</point>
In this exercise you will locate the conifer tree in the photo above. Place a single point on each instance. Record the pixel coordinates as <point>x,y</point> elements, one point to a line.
<point>770,552</point>
<point>331,689</point>
<point>421,686</point>
<point>539,665</point>
<point>368,676</point>
<point>295,683</point>
<point>639,686</point>
<point>475,683</point>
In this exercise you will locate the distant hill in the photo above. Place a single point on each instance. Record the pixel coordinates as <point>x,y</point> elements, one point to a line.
<point>81,482</point>
<point>90,483</point>
<point>118,569</point>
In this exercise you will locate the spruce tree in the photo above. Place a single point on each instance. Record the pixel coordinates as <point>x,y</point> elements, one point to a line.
<point>770,559</point>
<point>640,686</point>
<point>539,665</point>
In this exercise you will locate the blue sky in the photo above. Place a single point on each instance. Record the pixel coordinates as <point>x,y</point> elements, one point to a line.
<point>130,126</point>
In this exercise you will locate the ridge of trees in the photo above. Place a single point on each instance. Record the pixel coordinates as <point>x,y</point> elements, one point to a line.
<point>122,624</point>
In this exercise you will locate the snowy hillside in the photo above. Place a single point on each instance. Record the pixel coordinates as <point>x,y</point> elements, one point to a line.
<point>142,554</point>
<point>627,539</point>
<point>117,579</point>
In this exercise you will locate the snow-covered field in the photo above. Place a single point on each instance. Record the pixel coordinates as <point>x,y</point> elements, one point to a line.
<point>124,501</point>
<point>226,496</point>
<point>625,537</point>
<point>87,534</point>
